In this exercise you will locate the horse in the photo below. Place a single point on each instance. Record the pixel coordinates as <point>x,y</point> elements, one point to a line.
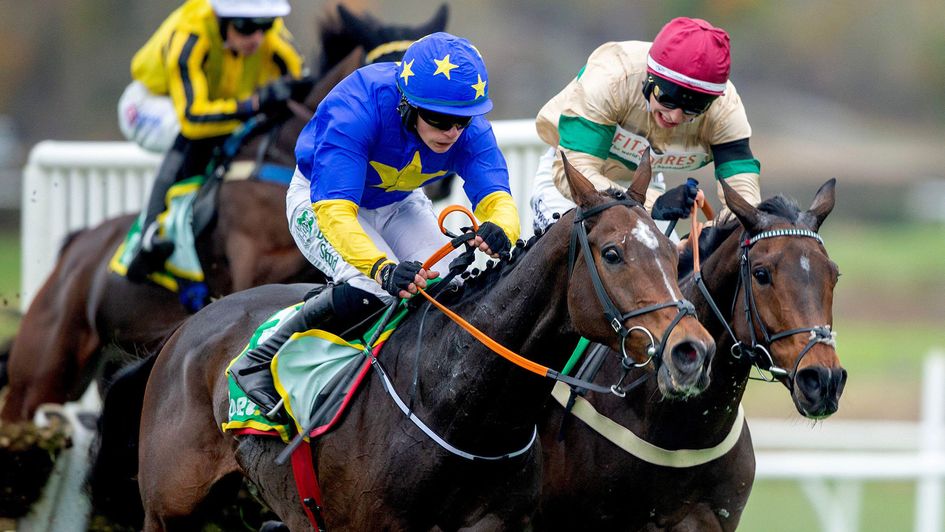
<point>378,471</point>
<point>84,311</point>
<point>769,274</point>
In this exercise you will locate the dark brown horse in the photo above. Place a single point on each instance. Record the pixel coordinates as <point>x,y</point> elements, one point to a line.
<point>377,470</point>
<point>83,310</point>
<point>775,295</point>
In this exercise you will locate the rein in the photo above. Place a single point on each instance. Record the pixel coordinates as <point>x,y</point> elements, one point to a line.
<point>759,353</point>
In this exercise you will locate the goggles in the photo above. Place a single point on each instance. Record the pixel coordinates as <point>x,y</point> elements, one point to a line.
<point>672,96</point>
<point>442,121</point>
<point>249,26</point>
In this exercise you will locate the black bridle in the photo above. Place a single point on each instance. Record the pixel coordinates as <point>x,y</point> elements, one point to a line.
<point>758,353</point>
<point>614,317</point>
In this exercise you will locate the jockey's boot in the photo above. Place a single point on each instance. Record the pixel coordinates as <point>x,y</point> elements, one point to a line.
<point>153,250</point>
<point>335,309</point>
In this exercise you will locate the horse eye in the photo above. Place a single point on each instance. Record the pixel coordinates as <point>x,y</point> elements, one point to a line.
<point>611,255</point>
<point>762,276</point>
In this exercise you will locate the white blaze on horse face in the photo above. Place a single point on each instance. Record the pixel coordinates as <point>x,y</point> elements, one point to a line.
<point>805,264</point>
<point>643,233</point>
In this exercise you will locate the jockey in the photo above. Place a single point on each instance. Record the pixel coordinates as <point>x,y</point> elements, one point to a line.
<point>355,207</point>
<point>672,95</point>
<point>211,65</point>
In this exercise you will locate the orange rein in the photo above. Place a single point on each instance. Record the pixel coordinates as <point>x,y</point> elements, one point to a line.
<point>700,203</point>
<point>498,348</point>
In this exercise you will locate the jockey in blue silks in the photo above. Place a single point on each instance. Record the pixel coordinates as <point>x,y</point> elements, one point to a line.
<point>355,207</point>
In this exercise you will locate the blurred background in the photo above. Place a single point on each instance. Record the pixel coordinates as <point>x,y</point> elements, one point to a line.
<point>852,90</point>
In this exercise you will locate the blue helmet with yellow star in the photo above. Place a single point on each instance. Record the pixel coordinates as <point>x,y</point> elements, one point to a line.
<point>445,73</point>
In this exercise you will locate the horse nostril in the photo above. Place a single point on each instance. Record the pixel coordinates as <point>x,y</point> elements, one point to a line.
<point>686,353</point>
<point>838,379</point>
<point>812,380</point>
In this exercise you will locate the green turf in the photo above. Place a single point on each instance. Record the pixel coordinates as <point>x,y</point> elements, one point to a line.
<point>782,506</point>
<point>9,283</point>
<point>906,254</point>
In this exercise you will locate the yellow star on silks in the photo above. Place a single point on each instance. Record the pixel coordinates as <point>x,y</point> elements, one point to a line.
<point>408,178</point>
<point>480,86</point>
<point>406,72</point>
<point>443,66</point>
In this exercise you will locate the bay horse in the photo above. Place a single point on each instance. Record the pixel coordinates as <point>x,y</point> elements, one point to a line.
<point>379,472</point>
<point>84,311</point>
<point>769,275</point>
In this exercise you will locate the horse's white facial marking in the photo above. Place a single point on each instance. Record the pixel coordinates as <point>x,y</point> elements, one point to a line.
<point>805,264</point>
<point>643,233</point>
<point>645,236</point>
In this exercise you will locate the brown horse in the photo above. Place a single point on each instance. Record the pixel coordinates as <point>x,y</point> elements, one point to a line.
<point>377,470</point>
<point>774,295</point>
<point>84,311</point>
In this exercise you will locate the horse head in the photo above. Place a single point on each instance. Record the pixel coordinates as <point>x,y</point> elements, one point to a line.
<point>628,251</point>
<point>784,303</point>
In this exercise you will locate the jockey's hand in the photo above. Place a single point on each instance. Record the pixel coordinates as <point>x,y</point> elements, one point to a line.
<point>676,202</point>
<point>273,97</point>
<point>402,280</point>
<point>492,240</point>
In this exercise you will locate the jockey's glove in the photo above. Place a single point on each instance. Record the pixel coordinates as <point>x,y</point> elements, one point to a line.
<point>272,97</point>
<point>495,237</point>
<point>676,202</point>
<point>397,277</point>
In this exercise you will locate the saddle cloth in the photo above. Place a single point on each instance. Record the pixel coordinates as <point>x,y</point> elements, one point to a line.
<point>315,372</point>
<point>176,225</point>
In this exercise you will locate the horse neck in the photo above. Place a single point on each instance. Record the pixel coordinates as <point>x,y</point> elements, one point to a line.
<point>477,399</point>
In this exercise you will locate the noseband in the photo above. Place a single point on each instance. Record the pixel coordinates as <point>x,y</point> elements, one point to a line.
<point>759,353</point>
<point>614,317</point>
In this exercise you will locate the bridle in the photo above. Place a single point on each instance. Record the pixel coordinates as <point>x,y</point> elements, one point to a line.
<point>758,353</point>
<point>614,317</point>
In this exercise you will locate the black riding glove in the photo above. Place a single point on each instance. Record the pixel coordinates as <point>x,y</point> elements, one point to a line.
<point>397,277</point>
<point>272,97</point>
<point>495,237</point>
<point>676,202</point>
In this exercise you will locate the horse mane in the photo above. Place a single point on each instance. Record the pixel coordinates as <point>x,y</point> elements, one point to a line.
<point>711,239</point>
<point>480,281</point>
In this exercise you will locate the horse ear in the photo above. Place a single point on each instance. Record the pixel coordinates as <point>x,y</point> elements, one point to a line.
<point>822,205</point>
<point>641,179</point>
<point>437,23</point>
<point>354,23</point>
<point>750,217</point>
<point>582,191</point>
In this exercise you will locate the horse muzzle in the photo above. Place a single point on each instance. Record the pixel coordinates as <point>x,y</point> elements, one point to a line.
<point>685,369</point>
<point>817,390</point>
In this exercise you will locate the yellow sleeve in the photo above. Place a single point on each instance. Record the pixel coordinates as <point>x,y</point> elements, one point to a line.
<point>200,117</point>
<point>338,221</point>
<point>285,52</point>
<point>499,208</point>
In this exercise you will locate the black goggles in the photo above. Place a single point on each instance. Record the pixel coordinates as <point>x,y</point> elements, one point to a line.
<point>672,96</point>
<point>442,121</point>
<point>249,26</point>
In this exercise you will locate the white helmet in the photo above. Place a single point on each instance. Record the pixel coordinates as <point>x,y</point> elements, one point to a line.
<point>250,8</point>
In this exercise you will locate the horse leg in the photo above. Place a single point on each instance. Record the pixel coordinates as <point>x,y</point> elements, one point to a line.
<point>182,453</point>
<point>276,484</point>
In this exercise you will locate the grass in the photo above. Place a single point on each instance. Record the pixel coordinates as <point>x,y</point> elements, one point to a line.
<point>9,283</point>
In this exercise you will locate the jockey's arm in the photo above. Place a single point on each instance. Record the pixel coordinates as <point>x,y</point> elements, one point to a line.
<point>338,221</point>
<point>735,164</point>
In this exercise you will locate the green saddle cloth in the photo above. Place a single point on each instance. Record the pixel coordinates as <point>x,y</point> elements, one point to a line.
<point>312,367</point>
<point>176,224</point>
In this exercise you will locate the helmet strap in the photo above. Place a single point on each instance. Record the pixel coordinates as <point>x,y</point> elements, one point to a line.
<point>408,114</point>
